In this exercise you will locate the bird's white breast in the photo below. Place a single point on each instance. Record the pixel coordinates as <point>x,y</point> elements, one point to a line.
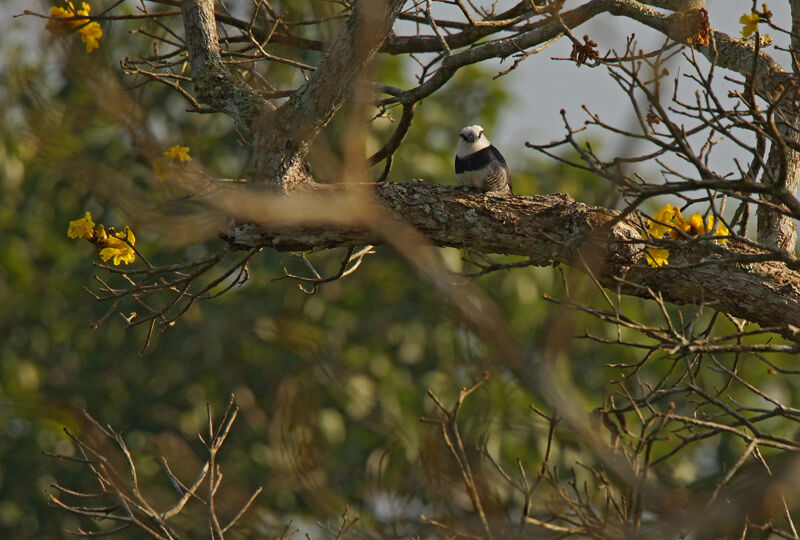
<point>474,178</point>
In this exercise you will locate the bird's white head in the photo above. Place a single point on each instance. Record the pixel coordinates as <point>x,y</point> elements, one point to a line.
<point>470,140</point>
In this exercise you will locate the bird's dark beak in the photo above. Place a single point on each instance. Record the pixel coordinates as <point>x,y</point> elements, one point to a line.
<point>470,137</point>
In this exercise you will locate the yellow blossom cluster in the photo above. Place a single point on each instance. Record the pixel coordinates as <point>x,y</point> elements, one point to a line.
<point>669,224</point>
<point>749,21</point>
<point>175,156</point>
<point>62,22</point>
<point>116,246</point>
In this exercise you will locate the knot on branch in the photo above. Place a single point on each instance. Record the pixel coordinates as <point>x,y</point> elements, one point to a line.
<point>692,26</point>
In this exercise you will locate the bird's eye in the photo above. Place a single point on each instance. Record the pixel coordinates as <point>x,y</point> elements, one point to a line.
<point>480,134</point>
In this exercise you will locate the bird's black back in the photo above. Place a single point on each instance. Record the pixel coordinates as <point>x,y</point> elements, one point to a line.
<point>479,160</point>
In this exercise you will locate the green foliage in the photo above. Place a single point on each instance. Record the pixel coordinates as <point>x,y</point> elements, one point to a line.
<point>331,386</point>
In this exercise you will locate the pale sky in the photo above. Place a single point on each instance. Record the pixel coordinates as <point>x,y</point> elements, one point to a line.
<point>543,86</point>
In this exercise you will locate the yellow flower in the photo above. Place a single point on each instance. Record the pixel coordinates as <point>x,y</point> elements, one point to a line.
<point>126,234</point>
<point>749,22</point>
<point>680,223</point>
<point>61,27</point>
<point>657,256</point>
<point>668,220</point>
<point>660,224</point>
<point>118,249</point>
<point>81,228</point>
<point>722,230</point>
<point>90,35</point>
<point>177,154</point>
<point>696,224</point>
<point>116,245</point>
<point>90,32</point>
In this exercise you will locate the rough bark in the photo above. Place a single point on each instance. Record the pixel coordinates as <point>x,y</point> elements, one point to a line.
<point>783,168</point>
<point>676,5</point>
<point>282,136</point>
<point>281,140</point>
<point>214,84</point>
<point>734,278</point>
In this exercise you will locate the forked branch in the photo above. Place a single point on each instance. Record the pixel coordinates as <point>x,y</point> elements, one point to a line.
<point>121,498</point>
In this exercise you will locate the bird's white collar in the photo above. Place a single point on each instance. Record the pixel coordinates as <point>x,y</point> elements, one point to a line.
<point>465,148</point>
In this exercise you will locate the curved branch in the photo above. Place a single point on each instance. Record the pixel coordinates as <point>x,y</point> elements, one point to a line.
<point>738,279</point>
<point>397,138</point>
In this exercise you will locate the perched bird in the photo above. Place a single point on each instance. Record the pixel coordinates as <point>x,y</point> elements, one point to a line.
<point>479,164</point>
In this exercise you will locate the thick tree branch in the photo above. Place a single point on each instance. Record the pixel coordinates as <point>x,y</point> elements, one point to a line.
<point>783,166</point>
<point>214,84</point>
<point>783,169</point>
<point>737,279</point>
<point>281,140</point>
<point>675,5</point>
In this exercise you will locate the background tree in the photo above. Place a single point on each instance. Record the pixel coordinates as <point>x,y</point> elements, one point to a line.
<point>665,421</point>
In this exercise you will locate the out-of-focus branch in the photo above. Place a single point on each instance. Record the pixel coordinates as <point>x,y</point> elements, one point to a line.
<point>740,279</point>
<point>452,438</point>
<point>121,499</point>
